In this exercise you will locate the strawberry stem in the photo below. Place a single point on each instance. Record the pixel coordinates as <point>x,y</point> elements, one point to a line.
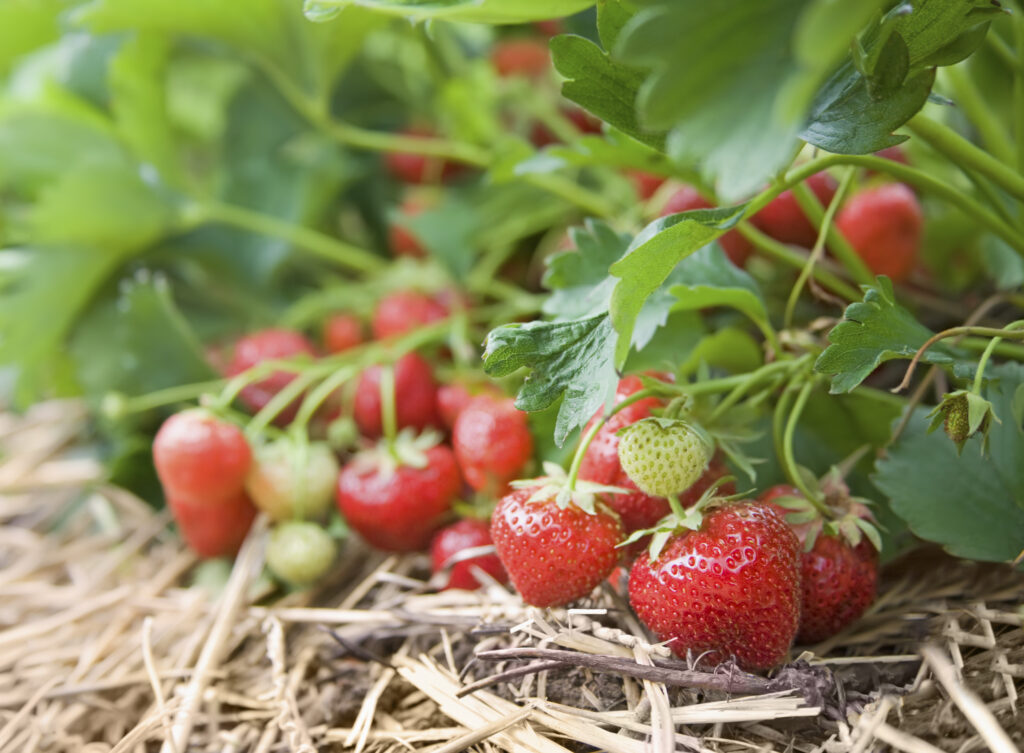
<point>388,417</point>
<point>581,450</point>
<point>987,354</point>
<point>788,458</point>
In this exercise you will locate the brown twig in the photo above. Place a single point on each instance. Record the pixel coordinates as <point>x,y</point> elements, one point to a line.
<point>511,674</point>
<point>734,682</point>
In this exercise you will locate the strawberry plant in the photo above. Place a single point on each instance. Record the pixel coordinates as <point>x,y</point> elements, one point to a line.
<point>403,254</point>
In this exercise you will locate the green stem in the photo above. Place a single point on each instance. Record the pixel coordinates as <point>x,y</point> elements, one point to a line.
<point>581,450</point>
<point>572,192</point>
<point>787,255</point>
<point>388,414</point>
<point>1003,349</point>
<point>824,224</point>
<point>1003,52</point>
<point>317,244</point>
<point>279,402</point>
<point>782,407</point>
<point>315,398</point>
<point>970,101</point>
<point>912,176</point>
<point>1018,90</point>
<point>789,460</point>
<point>987,354</point>
<point>159,398</point>
<point>962,152</point>
<point>754,379</point>
<point>837,242</point>
<point>1008,334</point>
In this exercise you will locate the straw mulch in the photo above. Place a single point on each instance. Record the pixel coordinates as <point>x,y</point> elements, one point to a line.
<point>104,648</point>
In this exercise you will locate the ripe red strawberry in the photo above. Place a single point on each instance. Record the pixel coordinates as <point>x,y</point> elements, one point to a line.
<point>492,442</point>
<point>342,332</point>
<point>736,247</point>
<point>839,583</point>
<point>730,588</point>
<point>200,458</point>
<point>884,226</point>
<point>785,221</point>
<point>521,57</point>
<point>554,555</point>
<point>269,345</point>
<point>452,399</point>
<point>583,120</point>
<point>451,541</point>
<point>403,312</point>
<point>410,167</point>
<point>550,27</point>
<point>398,509</point>
<point>415,397</point>
<point>838,578</point>
<point>401,240</point>
<point>646,184</point>
<point>213,529</point>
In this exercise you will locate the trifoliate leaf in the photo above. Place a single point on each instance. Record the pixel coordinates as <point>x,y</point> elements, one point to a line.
<point>972,504</point>
<point>578,278</point>
<point>873,331</point>
<point>653,255</point>
<point>573,358</point>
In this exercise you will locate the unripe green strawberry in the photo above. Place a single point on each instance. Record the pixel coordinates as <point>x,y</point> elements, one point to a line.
<point>299,552</point>
<point>664,457</point>
<point>290,480</point>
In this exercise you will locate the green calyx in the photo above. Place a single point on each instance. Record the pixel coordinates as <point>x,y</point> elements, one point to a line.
<point>962,414</point>
<point>555,484</point>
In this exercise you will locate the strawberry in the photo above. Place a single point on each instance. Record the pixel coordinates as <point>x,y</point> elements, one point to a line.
<point>401,239</point>
<point>452,399</point>
<point>639,510</point>
<point>646,184</point>
<point>663,457</point>
<point>838,565</point>
<point>342,332</point>
<point>415,397</point>
<point>601,461</point>
<point>213,529</point>
<point>785,221</point>
<point>884,226</point>
<point>521,57</point>
<point>736,247</point>
<point>492,442</point>
<point>839,582</point>
<point>729,588</point>
<point>269,345</point>
<point>290,480</point>
<point>403,312</point>
<point>446,551</point>
<point>398,508</point>
<point>550,27</point>
<point>200,458</point>
<point>299,552</point>
<point>554,554</point>
<point>410,167</point>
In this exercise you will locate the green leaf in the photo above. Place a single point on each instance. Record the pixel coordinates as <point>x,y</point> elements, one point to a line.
<point>602,86</point>
<point>612,16</point>
<point>1003,266</point>
<point>574,359</point>
<point>39,144</point>
<point>137,342</point>
<point>653,255</point>
<point>730,349</point>
<point>578,277</point>
<point>470,11</point>
<point>42,291</point>
<point>708,278</point>
<point>971,504</point>
<point>139,102</point>
<point>26,25</point>
<point>873,331</point>
<point>104,206</point>
<point>846,119</point>
<point>717,70</point>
